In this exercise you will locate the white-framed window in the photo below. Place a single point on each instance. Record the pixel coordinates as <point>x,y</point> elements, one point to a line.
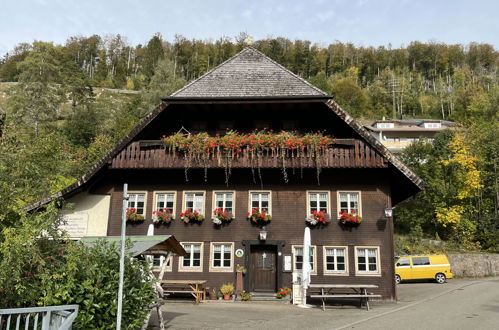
<point>298,258</point>
<point>432,125</point>
<point>385,125</point>
<point>367,260</point>
<point>222,257</point>
<point>318,201</point>
<point>261,200</point>
<point>137,200</point>
<point>349,201</point>
<point>193,260</point>
<point>157,263</point>
<point>194,201</point>
<point>225,200</point>
<point>165,199</point>
<point>335,260</point>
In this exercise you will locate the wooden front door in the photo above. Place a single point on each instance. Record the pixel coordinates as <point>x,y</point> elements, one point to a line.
<point>263,268</point>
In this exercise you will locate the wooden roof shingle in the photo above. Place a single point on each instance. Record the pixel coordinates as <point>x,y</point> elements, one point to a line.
<point>249,74</point>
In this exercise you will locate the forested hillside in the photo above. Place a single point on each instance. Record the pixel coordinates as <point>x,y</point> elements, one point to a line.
<point>66,105</point>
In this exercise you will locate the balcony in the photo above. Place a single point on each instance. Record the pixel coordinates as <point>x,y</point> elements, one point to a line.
<point>345,153</point>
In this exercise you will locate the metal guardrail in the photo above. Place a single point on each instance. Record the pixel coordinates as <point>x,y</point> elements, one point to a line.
<point>36,318</point>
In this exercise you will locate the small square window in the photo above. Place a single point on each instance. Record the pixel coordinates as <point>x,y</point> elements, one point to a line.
<point>335,260</point>
<point>193,260</point>
<point>349,202</point>
<point>367,260</point>
<point>260,200</point>
<point>225,201</point>
<point>194,201</point>
<point>137,201</point>
<point>221,256</point>
<point>298,258</point>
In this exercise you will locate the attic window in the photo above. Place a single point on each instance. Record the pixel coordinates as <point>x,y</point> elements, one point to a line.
<point>385,125</point>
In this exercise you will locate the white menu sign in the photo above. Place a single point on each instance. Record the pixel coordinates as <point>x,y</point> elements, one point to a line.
<point>76,224</point>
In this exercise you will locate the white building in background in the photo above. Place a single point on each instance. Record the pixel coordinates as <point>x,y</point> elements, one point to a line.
<point>397,134</point>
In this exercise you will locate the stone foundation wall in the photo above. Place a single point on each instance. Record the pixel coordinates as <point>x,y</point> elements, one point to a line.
<point>474,265</point>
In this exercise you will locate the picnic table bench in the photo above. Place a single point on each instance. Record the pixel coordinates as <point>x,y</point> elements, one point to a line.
<point>359,291</point>
<point>194,287</point>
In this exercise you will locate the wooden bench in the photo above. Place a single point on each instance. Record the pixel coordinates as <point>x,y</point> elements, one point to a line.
<point>192,287</point>
<point>360,292</point>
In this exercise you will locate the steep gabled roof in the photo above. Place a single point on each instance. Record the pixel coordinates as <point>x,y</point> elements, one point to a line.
<point>249,74</point>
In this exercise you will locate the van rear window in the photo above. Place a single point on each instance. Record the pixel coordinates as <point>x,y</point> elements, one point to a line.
<point>419,261</point>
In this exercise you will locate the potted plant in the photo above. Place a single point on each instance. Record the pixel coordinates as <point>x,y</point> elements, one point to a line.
<point>258,216</point>
<point>162,216</point>
<point>191,216</point>
<point>220,216</point>
<point>283,292</point>
<point>350,218</point>
<point>227,290</point>
<point>132,216</point>
<point>245,296</point>
<point>318,217</point>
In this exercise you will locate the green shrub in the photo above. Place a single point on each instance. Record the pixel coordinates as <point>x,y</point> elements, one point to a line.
<point>40,267</point>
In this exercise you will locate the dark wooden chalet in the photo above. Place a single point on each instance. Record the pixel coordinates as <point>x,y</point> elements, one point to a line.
<point>247,92</point>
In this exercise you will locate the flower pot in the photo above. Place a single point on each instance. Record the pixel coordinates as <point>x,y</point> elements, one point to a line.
<point>226,296</point>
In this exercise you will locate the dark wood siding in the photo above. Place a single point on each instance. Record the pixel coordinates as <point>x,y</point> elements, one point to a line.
<point>288,212</point>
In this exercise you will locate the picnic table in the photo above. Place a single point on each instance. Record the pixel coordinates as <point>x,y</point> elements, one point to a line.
<point>195,287</point>
<point>358,291</point>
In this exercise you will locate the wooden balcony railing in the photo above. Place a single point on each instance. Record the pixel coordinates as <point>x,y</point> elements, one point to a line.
<point>346,153</point>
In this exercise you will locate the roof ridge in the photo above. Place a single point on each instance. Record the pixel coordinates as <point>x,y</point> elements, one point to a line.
<point>287,70</point>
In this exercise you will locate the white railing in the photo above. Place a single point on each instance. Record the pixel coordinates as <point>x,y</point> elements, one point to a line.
<point>44,318</point>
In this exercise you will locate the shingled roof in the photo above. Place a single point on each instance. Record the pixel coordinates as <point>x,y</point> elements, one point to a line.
<point>249,74</point>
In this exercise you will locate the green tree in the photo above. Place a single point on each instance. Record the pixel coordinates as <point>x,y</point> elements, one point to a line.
<point>350,96</point>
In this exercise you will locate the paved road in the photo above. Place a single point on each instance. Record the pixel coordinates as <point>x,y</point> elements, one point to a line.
<point>459,304</point>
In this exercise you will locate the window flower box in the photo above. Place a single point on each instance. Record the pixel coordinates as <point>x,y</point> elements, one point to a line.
<point>191,216</point>
<point>220,216</point>
<point>317,218</point>
<point>165,216</point>
<point>350,218</point>
<point>133,216</point>
<point>257,216</point>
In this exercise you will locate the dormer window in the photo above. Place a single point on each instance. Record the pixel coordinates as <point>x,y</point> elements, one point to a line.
<point>385,125</point>
<point>432,125</point>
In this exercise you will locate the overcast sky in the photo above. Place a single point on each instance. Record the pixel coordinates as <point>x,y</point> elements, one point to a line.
<point>363,22</point>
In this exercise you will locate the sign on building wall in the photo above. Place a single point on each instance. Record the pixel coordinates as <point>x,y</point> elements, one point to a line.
<point>76,224</point>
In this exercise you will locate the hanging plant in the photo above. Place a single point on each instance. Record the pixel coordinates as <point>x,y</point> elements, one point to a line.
<point>202,148</point>
<point>258,216</point>
<point>191,216</point>
<point>350,218</point>
<point>164,216</point>
<point>318,217</point>
<point>220,216</point>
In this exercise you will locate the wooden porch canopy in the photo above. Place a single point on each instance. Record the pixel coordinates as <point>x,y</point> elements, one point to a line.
<point>149,245</point>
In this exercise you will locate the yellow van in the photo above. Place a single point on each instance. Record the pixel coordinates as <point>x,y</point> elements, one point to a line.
<point>420,267</point>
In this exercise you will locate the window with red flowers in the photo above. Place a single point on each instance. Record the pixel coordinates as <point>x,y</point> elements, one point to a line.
<point>261,200</point>
<point>349,202</point>
<point>224,200</point>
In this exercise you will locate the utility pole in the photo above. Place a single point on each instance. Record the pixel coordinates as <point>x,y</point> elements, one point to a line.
<point>122,256</point>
